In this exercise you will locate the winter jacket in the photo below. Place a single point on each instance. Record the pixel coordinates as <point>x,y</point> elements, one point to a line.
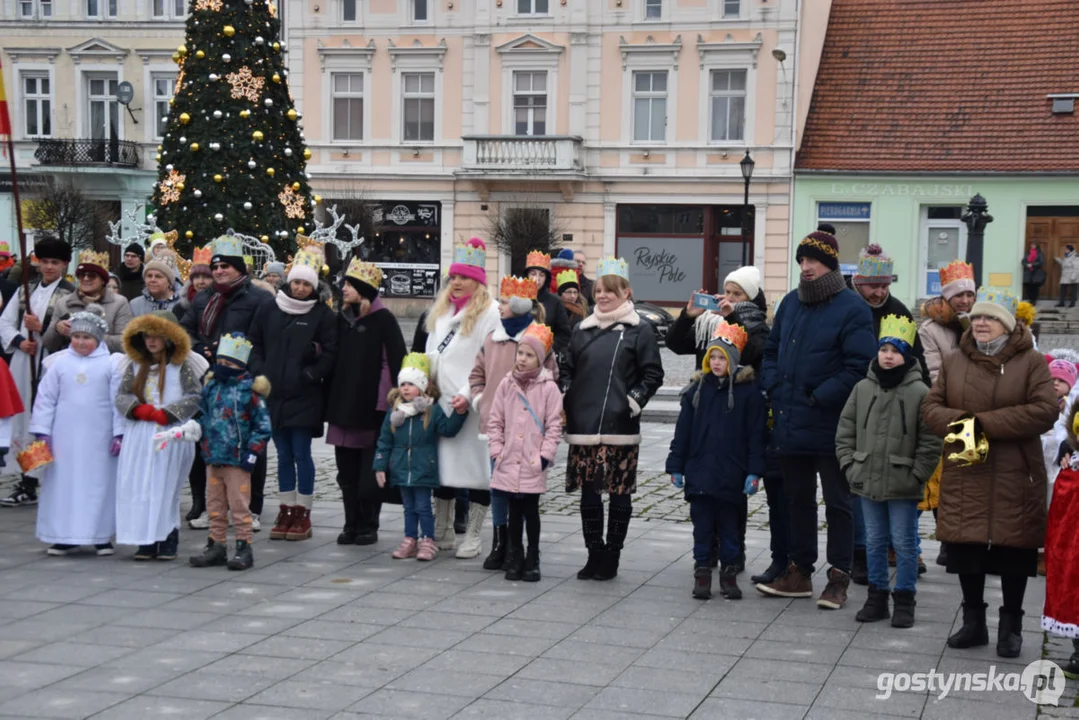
<point>575,311</point>
<point>1011,396</point>
<point>1035,274</point>
<point>191,366</point>
<point>495,361</point>
<point>409,454</point>
<point>814,356</point>
<point>363,345</point>
<point>1069,268</point>
<point>235,422</point>
<point>520,448</point>
<point>295,353</point>
<point>145,303</point>
<point>939,334</point>
<point>893,306</point>
<point>883,444</point>
<point>557,319</point>
<point>131,282</point>
<point>117,315</point>
<point>609,375</point>
<point>690,336</point>
<point>237,315</point>
<point>716,447</point>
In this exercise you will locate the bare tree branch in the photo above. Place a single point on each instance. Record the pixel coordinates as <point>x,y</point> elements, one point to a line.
<point>521,228</point>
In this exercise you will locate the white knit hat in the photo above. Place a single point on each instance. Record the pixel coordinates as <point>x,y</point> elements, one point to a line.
<point>748,278</point>
<point>414,376</point>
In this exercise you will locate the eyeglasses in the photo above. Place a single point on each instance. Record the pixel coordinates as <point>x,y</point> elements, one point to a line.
<point>220,266</point>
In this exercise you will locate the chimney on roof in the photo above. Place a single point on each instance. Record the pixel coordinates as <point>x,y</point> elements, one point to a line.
<point>1063,103</point>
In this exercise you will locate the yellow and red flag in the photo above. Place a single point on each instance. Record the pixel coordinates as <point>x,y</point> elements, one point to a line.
<point>5,119</point>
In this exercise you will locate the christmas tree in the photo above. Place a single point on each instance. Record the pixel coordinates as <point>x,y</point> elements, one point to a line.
<point>233,155</point>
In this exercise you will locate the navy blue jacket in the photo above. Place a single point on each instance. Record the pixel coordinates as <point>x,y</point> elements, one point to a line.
<point>814,356</point>
<point>716,448</point>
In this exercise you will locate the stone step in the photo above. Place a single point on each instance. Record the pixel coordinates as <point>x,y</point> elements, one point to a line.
<point>661,410</point>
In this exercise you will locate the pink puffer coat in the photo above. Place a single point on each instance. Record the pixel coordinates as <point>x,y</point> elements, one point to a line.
<point>494,362</point>
<point>516,442</point>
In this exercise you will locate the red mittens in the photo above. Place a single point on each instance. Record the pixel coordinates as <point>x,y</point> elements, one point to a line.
<point>149,413</point>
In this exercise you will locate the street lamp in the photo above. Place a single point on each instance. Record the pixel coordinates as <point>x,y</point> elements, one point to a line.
<point>747,175</point>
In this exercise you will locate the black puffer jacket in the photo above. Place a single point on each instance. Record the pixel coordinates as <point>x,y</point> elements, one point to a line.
<point>609,375</point>
<point>353,398</point>
<point>237,316</point>
<point>557,319</point>
<point>295,353</point>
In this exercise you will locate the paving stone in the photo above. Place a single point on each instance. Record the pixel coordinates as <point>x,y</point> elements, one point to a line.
<point>323,695</point>
<point>283,646</point>
<point>73,653</point>
<point>251,711</point>
<point>649,702</point>
<point>446,682</point>
<point>571,671</point>
<point>505,710</point>
<point>478,662</point>
<point>148,706</point>
<point>768,688</point>
<point>399,704</point>
<point>543,692</point>
<point>53,703</point>
<point>718,709</point>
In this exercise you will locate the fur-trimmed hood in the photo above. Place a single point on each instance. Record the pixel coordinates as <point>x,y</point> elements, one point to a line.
<point>156,323</point>
<point>260,384</point>
<point>939,311</point>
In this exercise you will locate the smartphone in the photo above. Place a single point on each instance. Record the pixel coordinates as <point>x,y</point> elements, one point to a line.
<point>703,300</point>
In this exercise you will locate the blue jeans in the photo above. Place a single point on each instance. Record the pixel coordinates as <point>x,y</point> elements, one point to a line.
<point>714,518</point>
<point>294,460</point>
<point>417,504</point>
<point>500,507</point>
<point>894,520</point>
<point>917,537</point>
<point>859,525</point>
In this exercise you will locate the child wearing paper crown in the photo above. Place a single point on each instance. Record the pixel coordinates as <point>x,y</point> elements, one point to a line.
<point>888,453</point>
<point>1060,615</point>
<point>524,430</point>
<point>235,429</point>
<point>407,452</point>
<point>717,454</point>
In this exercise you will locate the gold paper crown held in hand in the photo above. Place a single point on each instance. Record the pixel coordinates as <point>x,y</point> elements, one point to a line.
<point>36,455</point>
<point>974,452</point>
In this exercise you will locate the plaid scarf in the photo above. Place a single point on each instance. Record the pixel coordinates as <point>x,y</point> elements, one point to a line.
<point>212,313</point>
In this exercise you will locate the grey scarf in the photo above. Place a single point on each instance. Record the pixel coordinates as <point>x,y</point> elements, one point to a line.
<point>824,288</point>
<point>992,347</point>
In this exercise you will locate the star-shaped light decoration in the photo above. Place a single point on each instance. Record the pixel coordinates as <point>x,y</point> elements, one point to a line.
<point>169,191</point>
<point>293,203</point>
<point>272,6</point>
<point>245,85</point>
<point>214,5</point>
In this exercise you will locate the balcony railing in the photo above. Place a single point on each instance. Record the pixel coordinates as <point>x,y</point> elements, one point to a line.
<point>57,151</point>
<point>522,154</point>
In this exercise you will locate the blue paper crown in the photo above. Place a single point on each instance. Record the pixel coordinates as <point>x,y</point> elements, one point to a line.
<point>234,347</point>
<point>999,296</point>
<point>612,266</point>
<point>228,246</point>
<point>470,255</point>
<point>875,266</point>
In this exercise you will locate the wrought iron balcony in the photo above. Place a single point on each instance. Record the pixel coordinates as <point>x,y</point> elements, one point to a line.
<point>522,154</point>
<point>61,151</point>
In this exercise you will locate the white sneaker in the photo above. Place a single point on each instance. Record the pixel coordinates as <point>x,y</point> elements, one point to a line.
<point>256,524</point>
<point>200,523</point>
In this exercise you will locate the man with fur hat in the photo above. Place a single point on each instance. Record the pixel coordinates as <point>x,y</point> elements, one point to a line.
<point>21,331</point>
<point>820,346</point>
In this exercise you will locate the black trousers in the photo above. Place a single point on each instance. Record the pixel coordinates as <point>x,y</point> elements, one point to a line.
<point>258,485</point>
<point>197,479</point>
<point>778,519</point>
<point>360,493</point>
<point>1068,294</point>
<point>1030,292</point>
<point>800,485</point>
<point>480,497</point>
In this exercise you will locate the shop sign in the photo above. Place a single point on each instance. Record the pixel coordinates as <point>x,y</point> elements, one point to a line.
<point>843,211</point>
<point>663,269</point>
<point>411,214</point>
<point>404,280</point>
<point>930,190</point>
<point>28,183</point>
<point>932,283</point>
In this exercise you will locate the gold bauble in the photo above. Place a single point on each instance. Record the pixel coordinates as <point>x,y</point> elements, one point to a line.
<point>182,50</point>
<point>157,157</point>
<point>245,113</point>
<point>200,54</point>
<point>228,31</point>
<point>276,78</point>
<point>179,186</point>
<point>306,154</point>
<point>189,234</point>
<point>176,57</point>
<point>184,118</point>
<point>159,148</point>
<point>296,186</point>
<point>265,238</point>
<point>172,101</point>
<point>194,147</point>
<point>277,46</point>
<point>218,178</point>
<point>257,136</point>
<point>291,114</point>
<point>270,171</point>
<point>318,199</point>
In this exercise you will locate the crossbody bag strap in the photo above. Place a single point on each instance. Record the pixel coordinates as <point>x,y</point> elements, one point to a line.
<point>539,423</point>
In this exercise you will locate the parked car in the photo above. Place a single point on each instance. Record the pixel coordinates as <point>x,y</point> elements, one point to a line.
<point>659,317</point>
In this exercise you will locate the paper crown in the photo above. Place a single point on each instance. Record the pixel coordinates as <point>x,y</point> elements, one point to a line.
<point>97,259</point>
<point>537,259</point>
<point>202,255</point>
<point>999,296</point>
<point>611,265</point>
<point>956,270</point>
<point>731,334</point>
<point>365,272</point>
<point>873,262</point>
<point>4,247</point>
<point>306,259</point>
<point>234,346</point>
<point>228,246</point>
<point>36,455</point>
<point>158,238</point>
<point>541,333</point>
<point>512,287</point>
<point>417,361</point>
<point>567,277</point>
<point>470,253</point>
<point>900,328</point>
<point>974,450</point>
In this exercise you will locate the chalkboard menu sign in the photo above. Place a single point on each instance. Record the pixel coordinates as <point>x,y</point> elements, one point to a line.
<point>404,280</point>
<point>663,269</point>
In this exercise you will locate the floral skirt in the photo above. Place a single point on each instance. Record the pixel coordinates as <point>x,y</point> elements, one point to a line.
<point>603,468</point>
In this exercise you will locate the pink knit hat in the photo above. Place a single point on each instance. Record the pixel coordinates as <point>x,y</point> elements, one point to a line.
<point>1064,370</point>
<point>470,260</point>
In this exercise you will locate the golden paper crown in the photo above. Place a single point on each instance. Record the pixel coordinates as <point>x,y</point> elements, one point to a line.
<point>512,287</point>
<point>365,272</point>
<point>974,451</point>
<point>202,255</point>
<point>418,361</point>
<point>956,270</point>
<point>306,258</point>
<point>36,455</point>
<point>537,259</point>
<point>567,277</point>
<point>734,334</point>
<point>541,333</point>
<point>97,259</point>
<point>900,328</point>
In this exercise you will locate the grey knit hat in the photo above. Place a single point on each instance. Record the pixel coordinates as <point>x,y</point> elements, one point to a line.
<point>91,321</point>
<point>276,268</point>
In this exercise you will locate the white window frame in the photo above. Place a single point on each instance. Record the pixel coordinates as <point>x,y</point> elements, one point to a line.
<point>540,55</point>
<point>420,96</point>
<point>651,95</point>
<point>82,96</point>
<point>156,98</point>
<point>362,95</point>
<point>411,60</point>
<point>412,6</point>
<point>532,4</point>
<point>714,94</point>
<point>346,60</point>
<point>172,10</point>
<point>923,242</point>
<point>650,57</point>
<point>645,5</point>
<point>357,7</point>
<point>25,73</point>
<point>38,9</point>
<point>727,56</point>
<point>730,16</point>
<point>106,9</point>
<point>546,94</point>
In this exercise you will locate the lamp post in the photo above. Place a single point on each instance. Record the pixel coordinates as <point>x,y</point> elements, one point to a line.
<point>976,217</point>
<point>747,175</point>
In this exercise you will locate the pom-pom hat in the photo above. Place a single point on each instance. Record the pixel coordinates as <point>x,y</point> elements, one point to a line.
<point>874,267</point>
<point>470,260</point>
<point>1064,370</point>
<point>898,331</point>
<point>540,339</point>
<point>5,249</point>
<point>564,259</point>
<point>820,246</point>
<point>997,303</point>
<point>91,321</point>
<point>416,370</point>
<point>957,277</point>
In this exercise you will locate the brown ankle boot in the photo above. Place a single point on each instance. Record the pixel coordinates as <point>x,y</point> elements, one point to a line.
<point>301,524</point>
<point>282,523</point>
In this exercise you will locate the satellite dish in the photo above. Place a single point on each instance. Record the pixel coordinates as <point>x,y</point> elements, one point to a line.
<point>125,93</point>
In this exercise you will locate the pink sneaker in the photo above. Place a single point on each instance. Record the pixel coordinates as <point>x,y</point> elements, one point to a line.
<point>405,550</point>
<point>428,550</point>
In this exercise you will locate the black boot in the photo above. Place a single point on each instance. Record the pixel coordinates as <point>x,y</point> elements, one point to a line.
<point>214,554</point>
<point>592,529</point>
<point>589,570</point>
<point>168,548</point>
<point>942,556</point>
<point>728,583</point>
<point>859,572</point>
<point>348,500</point>
<point>243,559</point>
<point>497,558</point>
<point>368,510</point>
<point>460,516</point>
<point>974,632</point>
<point>876,605</point>
<point>146,552</point>
<point>1010,633</point>
<point>532,565</point>
<point>515,562</point>
<point>904,609</point>
<point>1071,670</point>
<point>768,576</point>
<point>702,583</point>
<point>607,565</point>
<point>198,507</point>
<point>618,517</point>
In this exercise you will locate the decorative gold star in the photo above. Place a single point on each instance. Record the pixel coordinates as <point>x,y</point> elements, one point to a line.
<point>292,201</point>
<point>167,187</point>
<point>214,5</point>
<point>245,85</point>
